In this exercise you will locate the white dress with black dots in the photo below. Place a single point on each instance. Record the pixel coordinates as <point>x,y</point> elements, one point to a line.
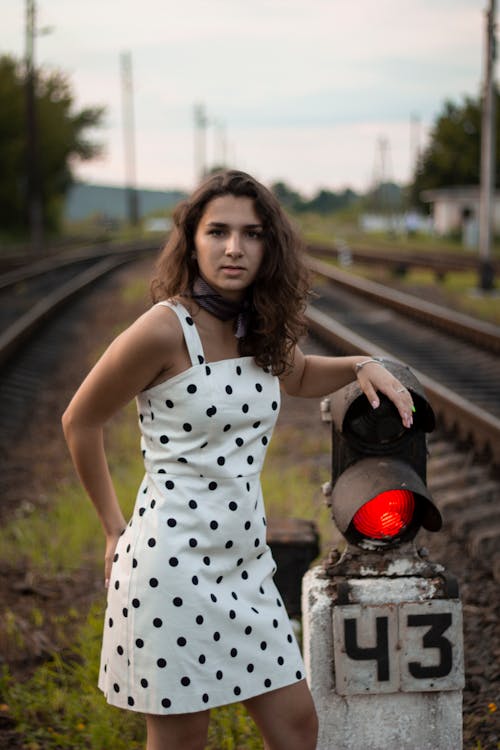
<point>194,619</point>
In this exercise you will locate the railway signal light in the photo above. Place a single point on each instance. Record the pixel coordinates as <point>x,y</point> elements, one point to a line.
<point>380,497</point>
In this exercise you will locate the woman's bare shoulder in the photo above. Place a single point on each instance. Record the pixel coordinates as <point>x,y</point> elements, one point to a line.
<point>158,326</point>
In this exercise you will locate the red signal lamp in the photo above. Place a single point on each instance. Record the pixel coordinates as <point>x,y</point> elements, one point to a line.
<point>385,516</point>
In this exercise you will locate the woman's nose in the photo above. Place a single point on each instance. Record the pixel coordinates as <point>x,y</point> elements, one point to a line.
<point>233,245</point>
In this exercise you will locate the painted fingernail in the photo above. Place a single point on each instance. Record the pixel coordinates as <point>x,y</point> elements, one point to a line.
<point>375,403</point>
<point>413,409</point>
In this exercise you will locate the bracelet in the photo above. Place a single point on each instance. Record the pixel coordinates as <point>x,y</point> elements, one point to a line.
<point>359,365</point>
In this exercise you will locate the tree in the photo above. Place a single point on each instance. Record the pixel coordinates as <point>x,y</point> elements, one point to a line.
<point>453,154</point>
<point>62,140</point>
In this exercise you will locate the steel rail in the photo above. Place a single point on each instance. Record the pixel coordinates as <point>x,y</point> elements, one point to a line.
<point>483,334</point>
<point>402,259</point>
<point>15,335</point>
<point>455,413</point>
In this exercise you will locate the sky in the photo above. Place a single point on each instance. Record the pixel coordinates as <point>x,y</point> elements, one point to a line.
<point>317,93</point>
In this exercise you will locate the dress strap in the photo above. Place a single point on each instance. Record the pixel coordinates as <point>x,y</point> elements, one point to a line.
<point>191,335</point>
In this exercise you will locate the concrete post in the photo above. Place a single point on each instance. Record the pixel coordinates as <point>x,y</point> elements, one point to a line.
<point>386,668</point>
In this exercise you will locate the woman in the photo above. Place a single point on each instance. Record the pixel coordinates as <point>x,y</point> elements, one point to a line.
<point>193,618</point>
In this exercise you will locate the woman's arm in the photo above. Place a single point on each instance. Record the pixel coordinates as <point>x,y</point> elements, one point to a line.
<point>131,362</point>
<point>314,376</point>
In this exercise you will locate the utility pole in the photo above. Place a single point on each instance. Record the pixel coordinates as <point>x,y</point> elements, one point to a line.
<point>487,190</point>
<point>33,182</point>
<point>129,139</point>
<point>200,135</point>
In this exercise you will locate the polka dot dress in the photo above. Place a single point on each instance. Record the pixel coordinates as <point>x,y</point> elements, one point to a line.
<point>194,619</point>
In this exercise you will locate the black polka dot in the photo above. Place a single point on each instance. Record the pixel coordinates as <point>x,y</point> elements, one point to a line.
<point>134,563</point>
<point>245,408</point>
<point>117,585</point>
<point>238,370</point>
<point>229,390</point>
<point>142,511</point>
<point>189,320</point>
<point>173,562</point>
<point>187,427</point>
<point>234,595</point>
<point>239,561</point>
<point>289,638</point>
<point>202,658</point>
<point>234,652</point>
<point>206,560</point>
<point>194,580</point>
<point>274,405</point>
<point>166,703</point>
<point>212,486</point>
<point>171,522</point>
<point>258,387</point>
<point>248,630</point>
<point>116,687</point>
<point>256,542</point>
<point>267,683</point>
<point>200,359</point>
<point>237,690</point>
<point>153,582</point>
<point>216,636</point>
<point>161,663</point>
<point>254,610</point>
<point>214,525</point>
<point>247,525</point>
<point>157,622</point>
<point>250,460</point>
<point>208,370</point>
<point>263,645</point>
<point>219,579</point>
<point>219,674</point>
<point>193,542</point>
<point>136,603</point>
<point>256,424</point>
<point>181,641</point>
<point>213,598</point>
<point>169,403</point>
<point>144,682</point>
<point>199,619</point>
<point>191,388</point>
<point>177,601</point>
<point>275,623</point>
<point>227,427</point>
<point>125,612</point>
<point>116,556</point>
<point>139,642</point>
<point>250,667</point>
<point>280,661</point>
<point>244,575</point>
<point>130,701</point>
<point>182,460</point>
<point>229,544</point>
<point>151,542</point>
<point>298,674</point>
<point>221,460</point>
<point>211,411</point>
<point>239,442</point>
<point>193,504</point>
<point>233,505</point>
<point>120,650</point>
<point>164,439</point>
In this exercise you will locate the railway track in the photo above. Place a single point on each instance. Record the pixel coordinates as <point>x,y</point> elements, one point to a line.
<point>33,328</point>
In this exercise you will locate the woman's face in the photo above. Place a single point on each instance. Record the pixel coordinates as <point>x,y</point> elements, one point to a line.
<point>229,245</point>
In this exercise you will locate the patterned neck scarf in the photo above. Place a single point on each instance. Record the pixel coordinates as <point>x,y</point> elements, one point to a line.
<point>222,308</point>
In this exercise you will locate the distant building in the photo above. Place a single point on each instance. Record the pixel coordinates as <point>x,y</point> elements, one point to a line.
<point>456,210</point>
<point>85,201</point>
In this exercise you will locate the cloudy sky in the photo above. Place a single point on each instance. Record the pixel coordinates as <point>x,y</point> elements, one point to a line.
<point>319,93</point>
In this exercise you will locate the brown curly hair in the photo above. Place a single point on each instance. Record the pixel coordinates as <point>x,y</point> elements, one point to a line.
<point>279,293</point>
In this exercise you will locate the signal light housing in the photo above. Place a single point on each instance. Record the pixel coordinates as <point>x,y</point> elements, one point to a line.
<point>380,498</point>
